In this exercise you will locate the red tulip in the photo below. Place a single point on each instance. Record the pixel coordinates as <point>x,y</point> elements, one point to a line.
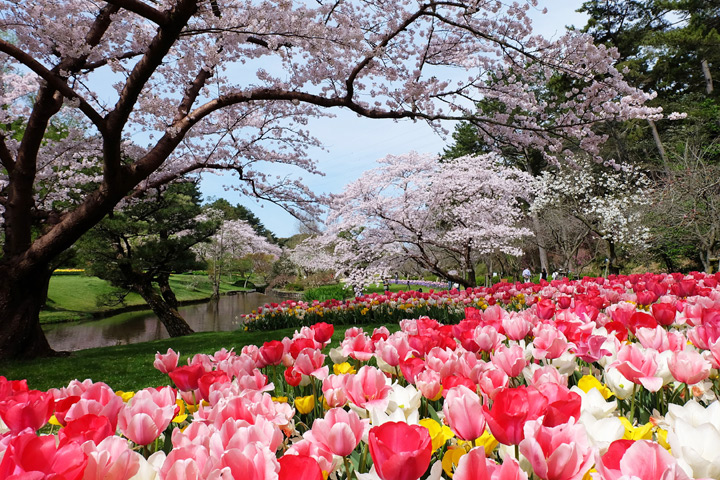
<point>323,332</point>
<point>411,367</point>
<point>292,377</point>
<point>186,378</point>
<point>299,467</point>
<point>88,427</point>
<point>664,313</point>
<point>272,352</point>
<point>30,456</point>
<point>511,409</point>
<point>31,409</point>
<point>11,387</point>
<point>545,309</point>
<point>210,378</point>
<point>646,297</point>
<point>400,451</point>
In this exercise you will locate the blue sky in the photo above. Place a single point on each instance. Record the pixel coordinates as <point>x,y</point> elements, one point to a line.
<point>353,144</point>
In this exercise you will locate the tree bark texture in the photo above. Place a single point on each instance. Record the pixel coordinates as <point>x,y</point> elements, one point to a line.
<point>175,324</point>
<point>21,298</point>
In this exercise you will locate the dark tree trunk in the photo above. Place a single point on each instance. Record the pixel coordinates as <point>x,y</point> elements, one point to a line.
<point>21,298</point>
<point>175,324</point>
<point>167,294</point>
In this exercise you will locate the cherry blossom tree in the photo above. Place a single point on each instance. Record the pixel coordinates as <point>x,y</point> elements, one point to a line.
<point>234,240</point>
<point>610,202</point>
<point>440,216</point>
<point>142,92</point>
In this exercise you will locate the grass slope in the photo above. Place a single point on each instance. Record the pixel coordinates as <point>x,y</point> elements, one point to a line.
<point>130,367</point>
<point>78,297</point>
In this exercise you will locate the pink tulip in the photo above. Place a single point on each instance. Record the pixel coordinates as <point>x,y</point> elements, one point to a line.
<point>429,384</point>
<point>360,347</point>
<point>333,388</point>
<point>549,342</point>
<point>638,366</point>
<point>32,457</point>
<point>253,462</point>
<point>510,360</point>
<point>310,361</point>
<point>464,413</point>
<point>11,387</point>
<point>474,466</point>
<point>110,459</point>
<point>98,399</point>
<point>689,367</point>
<point>516,325</point>
<point>400,451</point>
<point>368,388</point>
<point>394,349</point>
<point>641,459</point>
<point>166,363</point>
<point>339,431</point>
<point>31,409</point>
<point>311,448</point>
<point>323,332</point>
<point>143,420</point>
<point>487,338</point>
<point>557,453</point>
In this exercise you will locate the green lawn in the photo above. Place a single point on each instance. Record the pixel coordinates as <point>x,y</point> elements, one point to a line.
<point>77,297</point>
<point>130,367</point>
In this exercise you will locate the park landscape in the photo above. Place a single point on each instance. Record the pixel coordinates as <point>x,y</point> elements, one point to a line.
<point>413,347</point>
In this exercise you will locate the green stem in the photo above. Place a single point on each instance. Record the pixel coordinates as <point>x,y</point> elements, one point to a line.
<point>348,468</point>
<point>363,459</point>
<point>517,453</point>
<point>632,405</point>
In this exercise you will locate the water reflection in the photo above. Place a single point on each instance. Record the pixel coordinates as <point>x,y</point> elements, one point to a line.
<point>143,326</point>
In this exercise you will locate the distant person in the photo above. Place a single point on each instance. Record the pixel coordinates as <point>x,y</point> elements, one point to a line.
<point>386,285</point>
<point>526,274</point>
<point>555,275</point>
<point>543,275</point>
<point>419,290</point>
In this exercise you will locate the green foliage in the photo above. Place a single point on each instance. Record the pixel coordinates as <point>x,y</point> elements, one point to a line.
<point>327,292</point>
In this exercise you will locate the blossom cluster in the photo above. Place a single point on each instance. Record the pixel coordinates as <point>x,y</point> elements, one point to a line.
<point>599,378</point>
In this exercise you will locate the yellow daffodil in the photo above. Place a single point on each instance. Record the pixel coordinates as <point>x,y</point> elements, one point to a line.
<point>125,395</point>
<point>451,459</point>
<point>343,368</point>
<point>438,433</point>
<point>641,432</point>
<point>305,404</point>
<point>588,382</point>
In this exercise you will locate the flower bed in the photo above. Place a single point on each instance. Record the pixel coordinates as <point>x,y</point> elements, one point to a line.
<point>446,306</point>
<point>600,378</point>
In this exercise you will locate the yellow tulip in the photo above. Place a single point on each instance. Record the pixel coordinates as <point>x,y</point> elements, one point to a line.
<point>305,404</point>
<point>451,459</point>
<point>641,432</point>
<point>588,382</point>
<point>54,421</point>
<point>125,395</point>
<point>280,399</point>
<point>343,368</point>
<point>438,433</point>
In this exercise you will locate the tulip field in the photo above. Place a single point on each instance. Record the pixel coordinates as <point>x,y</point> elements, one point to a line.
<point>600,378</point>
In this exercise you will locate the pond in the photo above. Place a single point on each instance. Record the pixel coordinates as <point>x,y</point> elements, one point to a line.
<point>144,326</point>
